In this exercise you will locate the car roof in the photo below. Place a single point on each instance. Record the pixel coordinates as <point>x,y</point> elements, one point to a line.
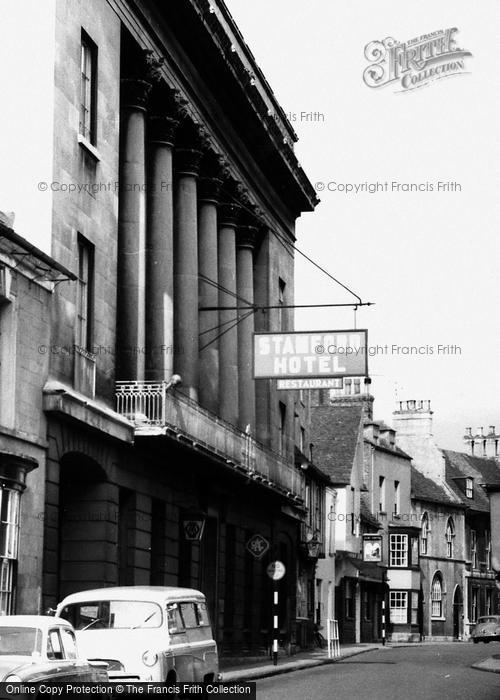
<point>40,621</point>
<point>142,593</point>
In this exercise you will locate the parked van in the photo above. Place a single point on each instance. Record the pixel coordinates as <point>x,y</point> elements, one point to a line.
<point>145,633</point>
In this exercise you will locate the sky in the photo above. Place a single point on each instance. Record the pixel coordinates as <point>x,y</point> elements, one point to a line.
<point>428,259</point>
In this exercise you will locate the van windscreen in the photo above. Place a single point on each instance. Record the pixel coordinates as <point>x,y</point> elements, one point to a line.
<point>113,614</point>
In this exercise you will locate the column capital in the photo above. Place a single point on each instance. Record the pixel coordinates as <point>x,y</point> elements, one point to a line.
<point>163,129</point>
<point>139,81</point>
<point>246,236</point>
<point>228,214</point>
<point>135,93</point>
<point>214,171</point>
<point>187,161</point>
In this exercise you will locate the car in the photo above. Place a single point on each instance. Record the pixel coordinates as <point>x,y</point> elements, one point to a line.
<point>487,629</point>
<point>145,633</point>
<point>35,648</point>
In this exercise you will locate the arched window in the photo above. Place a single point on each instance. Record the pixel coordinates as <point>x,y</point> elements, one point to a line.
<point>437,596</point>
<point>424,535</point>
<point>450,534</point>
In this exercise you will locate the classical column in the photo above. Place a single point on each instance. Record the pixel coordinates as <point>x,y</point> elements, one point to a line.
<point>186,328</point>
<point>209,189</point>
<point>228,342</point>
<point>263,401</point>
<point>160,245</point>
<point>245,244</point>
<point>131,324</point>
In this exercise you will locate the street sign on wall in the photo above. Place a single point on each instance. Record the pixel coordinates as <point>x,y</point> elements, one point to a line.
<point>309,355</point>
<point>257,545</point>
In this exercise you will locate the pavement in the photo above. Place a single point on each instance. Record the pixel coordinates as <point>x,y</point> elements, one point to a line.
<point>242,669</point>
<point>252,668</point>
<point>491,664</point>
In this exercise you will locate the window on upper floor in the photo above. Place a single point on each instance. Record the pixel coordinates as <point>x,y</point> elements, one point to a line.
<point>487,548</point>
<point>397,498</point>
<point>282,428</point>
<point>281,304</point>
<point>88,89</point>
<point>424,534</point>
<point>469,488</point>
<point>450,534</point>
<point>85,292</point>
<point>473,549</point>
<point>398,550</point>
<point>381,491</point>
<point>437,596</point>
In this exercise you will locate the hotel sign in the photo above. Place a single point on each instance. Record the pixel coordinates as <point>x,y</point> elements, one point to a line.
<point>310,355</point>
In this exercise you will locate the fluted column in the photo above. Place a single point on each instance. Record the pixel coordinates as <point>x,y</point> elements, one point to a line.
<point>131,325</point>
<point>245,244</point>
<point>186,328</point>
<point>209,189</point>
<point>160,244</point>
<point>228,342</point>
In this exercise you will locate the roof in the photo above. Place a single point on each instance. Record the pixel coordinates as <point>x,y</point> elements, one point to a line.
<point>425,489</point>
<point>40,621</point>
<point>335,432</point>
<point>383,446</point>
<point>143,593</point>
<point>482,470</point>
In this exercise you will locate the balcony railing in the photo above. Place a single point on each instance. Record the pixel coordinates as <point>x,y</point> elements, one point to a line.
<point>152,406</point>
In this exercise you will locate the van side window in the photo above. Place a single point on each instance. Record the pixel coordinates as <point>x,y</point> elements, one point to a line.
<point>175,623</point>
<point>201,614</point>
<point>189,615</point>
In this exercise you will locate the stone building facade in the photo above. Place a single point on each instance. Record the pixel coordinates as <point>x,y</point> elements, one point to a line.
<point>177,191</point>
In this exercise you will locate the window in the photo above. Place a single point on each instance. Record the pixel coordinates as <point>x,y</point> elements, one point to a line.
<point>281,304</point>
<point>469,488</point>
<point>349,599</point>
<point>424,535</point>
<point>473,610</point>
<point>85,289</point>
<point>69,643</point>
<point>396,498</point>
<point>398,607</point>
<point>414,608</point>
<point>398,553</point>
<point>487,549</point>
<point>473,549</point>
<point>381,490</point>
<point>487,607</point>
<point>437,597</point>
<point>88,89</point>
<point>282,428</point>
<point>450,534</point>
<point>54,646</point>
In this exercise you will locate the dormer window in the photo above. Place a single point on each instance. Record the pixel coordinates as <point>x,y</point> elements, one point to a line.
<point>469,487</point>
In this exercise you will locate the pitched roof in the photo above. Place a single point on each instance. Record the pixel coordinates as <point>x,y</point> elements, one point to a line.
<point>425,489</point>
<point>482,470</point>
<point>335,432</point>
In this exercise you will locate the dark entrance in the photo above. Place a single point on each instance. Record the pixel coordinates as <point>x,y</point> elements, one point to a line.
<point>457,612</point>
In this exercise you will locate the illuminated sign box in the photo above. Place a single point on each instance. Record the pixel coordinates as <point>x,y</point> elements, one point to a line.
<point>310,355</point>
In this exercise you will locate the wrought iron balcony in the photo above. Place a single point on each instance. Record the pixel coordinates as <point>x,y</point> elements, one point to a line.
<point>155,410</point>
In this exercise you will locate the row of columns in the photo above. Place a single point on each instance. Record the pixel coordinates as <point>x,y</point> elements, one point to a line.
<point>175,233</point>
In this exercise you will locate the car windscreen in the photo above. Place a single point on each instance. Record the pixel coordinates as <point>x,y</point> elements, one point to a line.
<point>20,641</point>
<point>113,614</point>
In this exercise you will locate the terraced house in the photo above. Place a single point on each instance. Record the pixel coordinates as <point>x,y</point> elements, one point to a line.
<point>172,196</point>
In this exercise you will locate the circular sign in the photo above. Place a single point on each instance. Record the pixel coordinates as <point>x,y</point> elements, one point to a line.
<point>276,570</point>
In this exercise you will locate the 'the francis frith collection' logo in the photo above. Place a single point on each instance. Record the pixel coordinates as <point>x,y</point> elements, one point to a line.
<point>416,62</point>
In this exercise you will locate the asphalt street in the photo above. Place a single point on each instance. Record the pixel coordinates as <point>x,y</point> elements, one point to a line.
<point>433,672</point>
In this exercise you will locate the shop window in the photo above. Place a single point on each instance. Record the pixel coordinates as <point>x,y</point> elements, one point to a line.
<point>414,608</point>
<point>437,597</point>
<point>398,607</point>
<point>398,553</point>
<point>473,607</point>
